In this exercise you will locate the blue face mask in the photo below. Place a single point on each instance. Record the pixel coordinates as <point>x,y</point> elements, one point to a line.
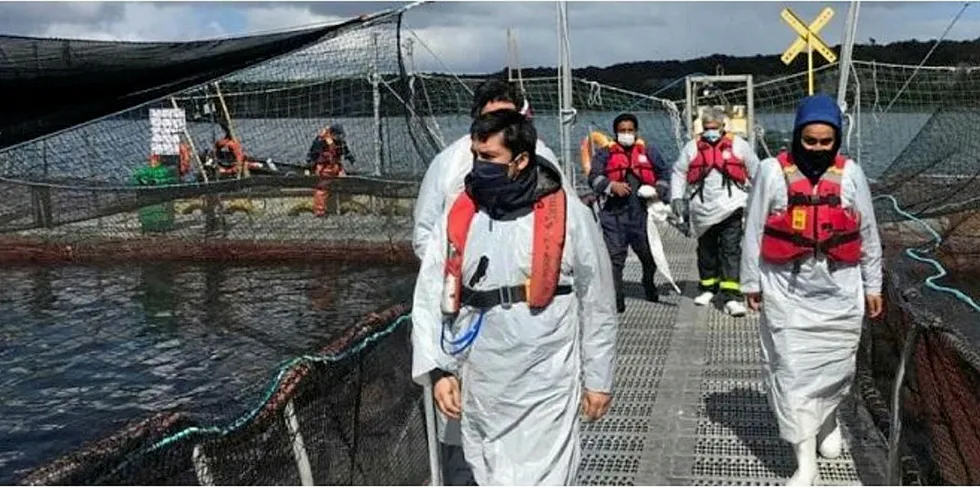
<point>712,135</point>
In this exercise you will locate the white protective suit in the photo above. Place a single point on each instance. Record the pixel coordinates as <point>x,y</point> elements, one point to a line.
<point>811,321</point>
<point>522,377</point>
<point>718,204</point>
<point>444,179</point>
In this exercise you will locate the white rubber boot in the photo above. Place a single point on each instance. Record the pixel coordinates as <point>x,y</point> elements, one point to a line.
<point>832,444</point>
<point>704,298</point>
<point>735,308</point>
<point>806,463</point>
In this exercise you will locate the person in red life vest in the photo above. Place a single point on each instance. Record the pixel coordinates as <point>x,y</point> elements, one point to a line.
<point>709,185</point>
<point>811,261</point>
<point>514,300</point>
<point>330,135</point>
<point>184,163</point>
<point>617,173</point>
<point>228,154</point>
<point>326,166</point>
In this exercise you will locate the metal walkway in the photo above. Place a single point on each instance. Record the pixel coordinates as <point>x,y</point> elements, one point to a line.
<point>689,405</point>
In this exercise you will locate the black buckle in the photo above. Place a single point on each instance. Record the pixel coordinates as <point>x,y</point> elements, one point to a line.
<point>506,296</point>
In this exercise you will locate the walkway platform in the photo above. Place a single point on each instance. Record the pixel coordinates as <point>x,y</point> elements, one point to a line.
<point>690,407</point>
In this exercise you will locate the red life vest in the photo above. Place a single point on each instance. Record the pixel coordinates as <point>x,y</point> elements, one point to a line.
<point>328,163</point>
<point>813,220</point>
<point>185,160</point>
<point>720,157</point>
<point>546,251</point>
<point>637,162</point>
<point>229,151</point>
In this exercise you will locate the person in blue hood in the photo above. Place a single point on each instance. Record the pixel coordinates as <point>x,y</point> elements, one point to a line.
<point>811,263</point>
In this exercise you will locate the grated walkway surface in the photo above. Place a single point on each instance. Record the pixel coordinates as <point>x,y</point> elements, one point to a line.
<point>689,405</point>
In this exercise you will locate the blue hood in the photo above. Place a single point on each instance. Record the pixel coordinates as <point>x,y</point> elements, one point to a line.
<point>818,108</point>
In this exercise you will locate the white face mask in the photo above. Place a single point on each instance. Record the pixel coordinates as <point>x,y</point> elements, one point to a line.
<point>625,139</point>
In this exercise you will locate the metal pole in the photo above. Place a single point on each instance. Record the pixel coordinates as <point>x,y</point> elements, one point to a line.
<point>567,112</point>
<point>689,106</point>
<point>435,460</point>
<point>847,52</point>
<point>190,143</point>
<point>809,60</point>
<point>894,473</point>
<point>510,56</point>
<point>375,82</point>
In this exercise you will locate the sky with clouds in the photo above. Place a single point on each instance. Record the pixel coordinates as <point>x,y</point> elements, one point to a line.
<point>470,36</point>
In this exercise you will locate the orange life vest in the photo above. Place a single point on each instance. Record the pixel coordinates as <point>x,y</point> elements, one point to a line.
<point>720,157</point>
<point>185,160</point>
<point>638,163</point>
<point>327,162</point>
<point>546,251</point>
<point>813,220</point>
<point>229,150</point>
<point>594,140</point>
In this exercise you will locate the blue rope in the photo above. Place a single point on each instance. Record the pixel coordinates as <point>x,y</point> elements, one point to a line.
<point>466,340</point>
<point>937,240</point>
<point>277,380</point>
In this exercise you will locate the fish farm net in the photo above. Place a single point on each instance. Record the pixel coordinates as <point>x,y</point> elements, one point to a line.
<point>341,416</point>
<point>80,183</point>
<point>79,190</point>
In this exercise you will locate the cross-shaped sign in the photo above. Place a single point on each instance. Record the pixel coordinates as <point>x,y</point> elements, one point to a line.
<point>808,39</point>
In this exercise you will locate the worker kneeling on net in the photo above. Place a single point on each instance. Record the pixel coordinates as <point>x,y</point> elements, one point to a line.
<point>709,181</point>
<point>811,260</point>
<point>513,312</point>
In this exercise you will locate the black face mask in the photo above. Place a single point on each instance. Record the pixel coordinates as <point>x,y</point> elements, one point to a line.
<point>813,163</point>
<point>491,187</point>
<point>819,159</point>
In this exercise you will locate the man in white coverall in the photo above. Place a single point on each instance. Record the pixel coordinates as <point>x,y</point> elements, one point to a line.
<point>513,318</point>
<point>811,260</point>
<point>443,181</point>
<point>709,181</point>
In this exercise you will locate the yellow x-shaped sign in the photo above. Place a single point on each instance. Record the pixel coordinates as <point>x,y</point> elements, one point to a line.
<point>804,31</point>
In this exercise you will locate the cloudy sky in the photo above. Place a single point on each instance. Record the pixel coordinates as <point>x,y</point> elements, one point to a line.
<point>470,36</point>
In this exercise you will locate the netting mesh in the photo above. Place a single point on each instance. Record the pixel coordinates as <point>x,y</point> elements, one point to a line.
<point>449,99</point>
<point>914,141</point>
<point>343,416</point>
<point>78,189</point>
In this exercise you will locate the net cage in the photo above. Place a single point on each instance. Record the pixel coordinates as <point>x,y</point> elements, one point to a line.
<point>350,414</point>
<point>74,190</point>
<point>347,415</point>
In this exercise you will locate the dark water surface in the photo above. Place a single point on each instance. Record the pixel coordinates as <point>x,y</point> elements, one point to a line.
<point>84,350</point>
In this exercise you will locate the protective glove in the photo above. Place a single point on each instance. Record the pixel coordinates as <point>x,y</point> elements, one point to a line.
<point>679,207</point>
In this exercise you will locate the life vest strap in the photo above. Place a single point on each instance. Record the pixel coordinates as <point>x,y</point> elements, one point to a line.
<point>800,240</point>
<point>801,199</point>
<point>504,296</point>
